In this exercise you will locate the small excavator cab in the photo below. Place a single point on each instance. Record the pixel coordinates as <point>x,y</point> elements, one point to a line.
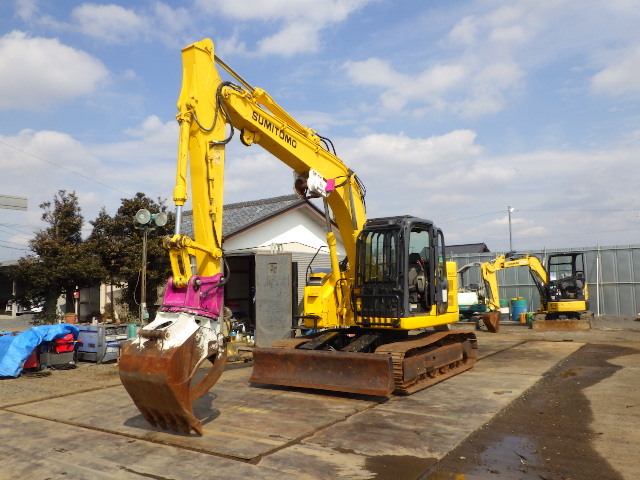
<point>566,276</point>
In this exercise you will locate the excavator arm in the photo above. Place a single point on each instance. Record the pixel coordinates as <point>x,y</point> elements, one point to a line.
<point>489,275</point>
<point>490,278</point>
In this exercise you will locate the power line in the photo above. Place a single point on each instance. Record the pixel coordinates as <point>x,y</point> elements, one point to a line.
<point>561,235</point>
<point>470,218</point>
<point>10,233</point>
<point>12,243</point>
<point>543,210</point>
<point>582,210</point>
<point>65,168</point>
<point>14,248</point>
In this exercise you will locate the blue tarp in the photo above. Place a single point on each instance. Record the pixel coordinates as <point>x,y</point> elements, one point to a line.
<point>15,349</point>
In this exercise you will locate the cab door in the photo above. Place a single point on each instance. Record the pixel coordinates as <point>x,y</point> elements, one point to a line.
<point>441,281</point>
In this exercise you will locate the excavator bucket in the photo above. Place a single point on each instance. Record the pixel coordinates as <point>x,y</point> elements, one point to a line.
<point>363,373</point>
<point>159,368</point>
<point>491,320</point>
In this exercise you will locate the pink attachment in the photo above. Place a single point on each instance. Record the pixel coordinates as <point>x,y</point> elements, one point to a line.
<point>331,185</point>
<point>197,297</point>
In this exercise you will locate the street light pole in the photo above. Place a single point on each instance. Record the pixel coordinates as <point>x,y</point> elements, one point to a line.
<point>510,209</point>
<point>146,221</point>
<point>143,281</point>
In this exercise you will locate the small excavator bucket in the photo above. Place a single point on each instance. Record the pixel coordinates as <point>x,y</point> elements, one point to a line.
<point>491,320</point>
<point>158,369</point>
<point>363,373</point>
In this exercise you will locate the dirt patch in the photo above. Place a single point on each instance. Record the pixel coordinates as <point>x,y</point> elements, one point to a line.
<point>50,383</point>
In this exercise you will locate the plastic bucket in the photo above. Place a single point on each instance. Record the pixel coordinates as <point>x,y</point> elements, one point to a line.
<point>518,306</point>
<point>132,330</point>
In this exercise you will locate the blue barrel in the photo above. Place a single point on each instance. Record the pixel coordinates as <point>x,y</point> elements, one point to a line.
<point>518,306</point>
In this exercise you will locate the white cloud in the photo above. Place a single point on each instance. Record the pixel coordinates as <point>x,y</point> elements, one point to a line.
<point>299,23</point>
<point>111,23</point>
<point>469,88</point>
<point>37,164</point>
<point>147,161</point>
<point>286,42</point>
<point>444,177</point>
<point>26,9</point>
<point>38,73</point>
<point>329,11</point>
<point>452,180</point>
<point>39,151</point>
<point>377,150</point>
<point>115,24</point>
<point>153,128</point>
<point>619,77</point>
<point>492,57</point>
<point>40,163</point>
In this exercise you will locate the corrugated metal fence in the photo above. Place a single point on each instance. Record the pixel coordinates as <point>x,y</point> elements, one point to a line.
<point>613,278</point>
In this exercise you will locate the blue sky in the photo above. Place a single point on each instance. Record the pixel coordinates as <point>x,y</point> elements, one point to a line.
<point>450,111</point>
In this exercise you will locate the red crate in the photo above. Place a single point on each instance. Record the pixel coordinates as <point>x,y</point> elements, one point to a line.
<point>63,344</point>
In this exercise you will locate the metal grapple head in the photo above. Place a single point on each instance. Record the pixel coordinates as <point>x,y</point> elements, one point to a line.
<point>158,369</point>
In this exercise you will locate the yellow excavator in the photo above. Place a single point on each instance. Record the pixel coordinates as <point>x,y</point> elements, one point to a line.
<point>369,314</point>
<point>562,285</point>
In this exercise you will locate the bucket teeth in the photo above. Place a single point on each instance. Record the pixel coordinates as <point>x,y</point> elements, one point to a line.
<point>171,421</point>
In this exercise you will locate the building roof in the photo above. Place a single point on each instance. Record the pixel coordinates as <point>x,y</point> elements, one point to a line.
<point>241,216</point>
<point>466,248</point>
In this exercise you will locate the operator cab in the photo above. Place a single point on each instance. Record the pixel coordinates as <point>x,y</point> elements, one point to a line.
<point>401,271</point>
<point>566,276</point>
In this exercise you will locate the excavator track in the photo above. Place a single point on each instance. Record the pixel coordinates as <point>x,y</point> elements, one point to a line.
<point>430,358</point>
<point>402,367</point>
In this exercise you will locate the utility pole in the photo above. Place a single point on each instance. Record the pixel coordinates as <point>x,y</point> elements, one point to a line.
<point>510,209</point>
